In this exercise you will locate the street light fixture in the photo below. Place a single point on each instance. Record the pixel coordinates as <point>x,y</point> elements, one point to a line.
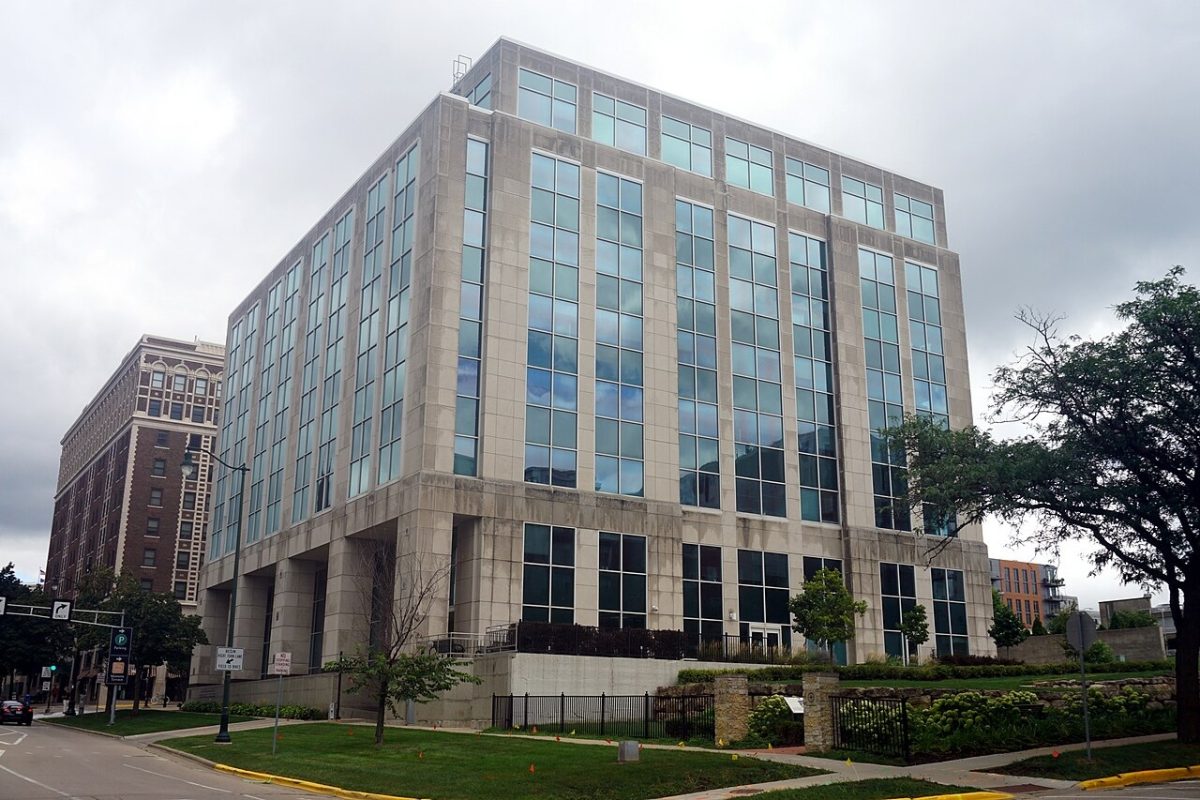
<point>188,468</point>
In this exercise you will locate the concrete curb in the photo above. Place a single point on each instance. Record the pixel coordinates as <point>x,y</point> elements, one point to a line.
<point>309,786</point>
<point>1142,776</point>
<point>962,796</point>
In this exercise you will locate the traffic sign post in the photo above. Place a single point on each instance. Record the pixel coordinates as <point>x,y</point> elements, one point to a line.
<point>229,659</point>
<point>1081,633</point>
<point>281,667</point>
<point>61,610</point>
<point>120,649</point>
<point>3,603</point>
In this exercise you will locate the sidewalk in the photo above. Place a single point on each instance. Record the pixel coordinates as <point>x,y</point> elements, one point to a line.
<point>959,772</point>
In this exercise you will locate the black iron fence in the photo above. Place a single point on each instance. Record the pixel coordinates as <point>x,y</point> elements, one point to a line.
<point>872,725</point>
<point>611,716</point>
<point>584,640</point>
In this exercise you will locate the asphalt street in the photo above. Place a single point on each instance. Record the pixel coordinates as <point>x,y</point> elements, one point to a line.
<point>1181,790</point>
<point>47,762</point>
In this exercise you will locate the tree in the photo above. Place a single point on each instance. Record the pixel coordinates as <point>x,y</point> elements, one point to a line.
<point>1058,623</point>
<point>1131,619</point>
<point>394,668</point>
<point>824,610</point>
<point>1007,629</point>
<point>29,643</point>
<point>914,627</point>
<point>1038,628</point>
<point>161,631</point>
<point>1112,459</point>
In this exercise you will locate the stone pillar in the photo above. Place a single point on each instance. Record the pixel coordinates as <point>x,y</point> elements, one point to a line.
<point>732,708</point>
<point>214,620</point>
<point>819,689</point>
<point>347,599</point>
<point>250,623</point>
<point>291,629</point>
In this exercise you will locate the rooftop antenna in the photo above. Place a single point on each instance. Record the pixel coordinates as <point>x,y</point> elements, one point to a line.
<point>461,65</point>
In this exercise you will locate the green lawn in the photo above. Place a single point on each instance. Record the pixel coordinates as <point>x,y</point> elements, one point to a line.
<point>450,765</point>
<point>1106,761</point>
<point>1005,683</point>
<point>877,789</point>
<point>145,722</point>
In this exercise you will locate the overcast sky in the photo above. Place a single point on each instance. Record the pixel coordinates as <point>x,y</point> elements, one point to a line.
<point>157,159</point>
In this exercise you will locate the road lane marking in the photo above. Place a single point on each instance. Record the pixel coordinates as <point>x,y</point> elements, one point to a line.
<point>35,783</point>
<point>173,778</point>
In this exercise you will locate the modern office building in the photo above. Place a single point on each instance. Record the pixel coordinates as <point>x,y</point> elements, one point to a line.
<point>1031,590</point>
<point>610,358</point>
<point>122,501</point>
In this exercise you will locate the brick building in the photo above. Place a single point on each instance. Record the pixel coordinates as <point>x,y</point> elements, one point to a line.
<point>1031,590</point>
<point>121,499</point>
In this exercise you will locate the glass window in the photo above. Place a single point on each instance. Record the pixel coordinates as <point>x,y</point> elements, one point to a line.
<point>481,95</point>
<point>161,438</point>
<point>179,383</point>
<point>885,401</point>
<point>749,166</point>
<point>914,219</point>
<point>949,612</point>
<point>152,526</point>
<point>149,557</point>
<point>703,607</point>
<point>201,387</point>
<point>552,378</point>
<point>157,379</point>
<point>622,589</point>
<point>548,590</point>
<point>160,467</point>
<point>183,559</point>
<point>687,146</point>
<point>807,185</point>
<point>862,202</point>
<point>546,101</point>
<point>763,590</point>
<point>898,590</point>
<point>156,496</point>
<point>180,590</point>
<point>618,124</point>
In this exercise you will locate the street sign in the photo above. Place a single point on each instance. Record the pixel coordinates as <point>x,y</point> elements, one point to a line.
<point>1081,631</point>
<point>3,603</point>
<point>45,686</point>
<point>120,642</point>
<point>229,659</point>
<point>120,648</point>
<point>61,610</point>
<point>45,672</point>
<point>118,671</point>
<point>283,664</point>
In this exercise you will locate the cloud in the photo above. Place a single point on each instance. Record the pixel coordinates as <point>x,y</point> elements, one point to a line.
<point>157,159</point>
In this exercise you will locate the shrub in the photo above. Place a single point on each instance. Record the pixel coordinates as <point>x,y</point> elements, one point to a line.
<point>767,716</point>
<point>957,660</point>
<point>1099,653</point>
<point>202,706</point>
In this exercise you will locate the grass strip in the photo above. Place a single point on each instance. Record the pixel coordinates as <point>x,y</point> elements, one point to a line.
<point>1106,761</point>
<point>446,766</point>
<point>145,721</point>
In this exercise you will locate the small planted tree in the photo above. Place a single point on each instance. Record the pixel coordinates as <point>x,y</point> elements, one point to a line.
<point>1007,629</point>
<point>1038,628</point>
<point>824,610</point>
<point>394,668</point>
<point>1131,619</point>
<point>914,627</point>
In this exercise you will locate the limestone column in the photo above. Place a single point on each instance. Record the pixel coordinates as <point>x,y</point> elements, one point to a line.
<point>731,712</point>
<point>249,624</point>
<point>347,599</point>
<point>291,628</point>
<point>214,620</point>
<point>819,689</point>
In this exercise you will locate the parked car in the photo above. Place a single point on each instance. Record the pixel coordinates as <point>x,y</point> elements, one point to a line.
<point>16,711</point>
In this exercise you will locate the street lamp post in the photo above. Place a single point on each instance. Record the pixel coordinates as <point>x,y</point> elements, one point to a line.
<point>188,468</point>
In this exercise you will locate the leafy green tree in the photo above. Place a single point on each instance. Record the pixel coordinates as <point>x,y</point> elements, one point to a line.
<point>824,610</point>
<point>1131,619</point>
<point>1007,629</point>
<point>1058,623</point>
<point>395,668</point>
<point>914,627</point>
<point>1038,628</point>
<point>28,643</point>
<point>161,631</point>
<point>1112,460</point>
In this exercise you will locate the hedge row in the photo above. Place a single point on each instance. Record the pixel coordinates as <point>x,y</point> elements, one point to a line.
<point>933,672</point>
<point>252,710</point>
